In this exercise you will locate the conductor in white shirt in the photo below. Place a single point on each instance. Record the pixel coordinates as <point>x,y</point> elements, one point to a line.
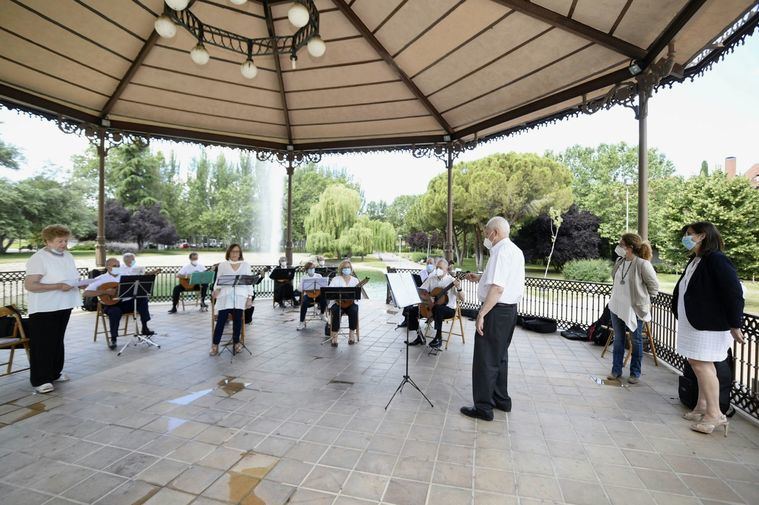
<point>500,288</point>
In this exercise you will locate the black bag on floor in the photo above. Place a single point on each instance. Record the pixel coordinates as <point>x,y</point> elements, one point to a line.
<point>688,385</point>
<point>575,332</point>
<point>248,315</point>
<point>539,324</point>
<point>599,331</point>
<point>90,303</point>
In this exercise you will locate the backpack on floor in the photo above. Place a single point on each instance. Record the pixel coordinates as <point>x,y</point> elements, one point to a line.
<point>539,324</point>
<point>688,385</point>
<point>599,331</point>
<point>575,332</point>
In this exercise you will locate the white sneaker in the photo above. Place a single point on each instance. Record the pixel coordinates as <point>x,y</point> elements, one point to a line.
<point>63,378</point>
<point>45,388</point>
<point>301,326</point>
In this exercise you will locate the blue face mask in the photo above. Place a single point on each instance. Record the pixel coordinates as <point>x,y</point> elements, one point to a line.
<point>346,271</point>
<point>430,267</point>
<point>311,271</point>
<point>688,242</point>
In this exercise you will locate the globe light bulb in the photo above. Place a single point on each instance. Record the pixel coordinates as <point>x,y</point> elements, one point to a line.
<point>165,26</point>
<point>238,2</point>
<point>298,15</point>
<point>248,69</point>
<point>199,54</point>
<point>177,5</point>
<point>316,46</point>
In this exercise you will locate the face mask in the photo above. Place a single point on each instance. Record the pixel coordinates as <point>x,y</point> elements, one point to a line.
<point>620,251</point>
<point>346,271</point>
<point>311,271</point>
<point>55,251</point>
<point>439,272</point>
<point>235,262</point>
<point>688,242</point>
<point>487,243</point>
<point>430,267</point>
<point>321,263</point>
<point>194,263</point>
<point>283,264</point>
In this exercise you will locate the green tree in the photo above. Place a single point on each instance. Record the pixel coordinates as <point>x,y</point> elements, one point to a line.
<point>398,210</point>
<point>704,169</point>
<point>173,200</point>
<point>376,210</point>
<point>10,156</point>
<point>13,224</point>
<point>333,214</point>
<point>383,235</point>
<point>731,204</point>
<point>602,174</point>
<point>135,175</point>
<point>198,201</point>
<point>357,240</point>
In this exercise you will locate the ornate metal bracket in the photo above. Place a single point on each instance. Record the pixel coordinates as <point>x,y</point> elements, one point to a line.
<point>441,150</point>
<point>102,137</point>
<point>289,158</point>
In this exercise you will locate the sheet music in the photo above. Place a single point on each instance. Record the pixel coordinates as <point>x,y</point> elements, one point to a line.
<point>403,288</point>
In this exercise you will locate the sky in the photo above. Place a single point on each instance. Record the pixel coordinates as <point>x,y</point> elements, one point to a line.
<point>714,117</point>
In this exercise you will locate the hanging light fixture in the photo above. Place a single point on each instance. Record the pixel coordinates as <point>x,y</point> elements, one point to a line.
<point>302,14</point>
<point>165,26</point>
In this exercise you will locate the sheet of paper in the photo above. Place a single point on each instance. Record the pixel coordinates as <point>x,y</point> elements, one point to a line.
<point>403,288</point>
<point>79,283</point>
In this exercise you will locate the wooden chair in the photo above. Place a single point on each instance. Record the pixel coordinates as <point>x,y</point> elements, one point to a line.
<point>452,321</point>
<point>101,324</point>
<point>17,338</point>
<point>344,330</point>
<point>195,292</point>
<point>214,317</point>
<point>628,343</point>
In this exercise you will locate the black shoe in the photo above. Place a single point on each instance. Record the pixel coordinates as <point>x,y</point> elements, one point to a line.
<point>203,305</point>
<point>506,406</point>
<point>403,324</point>
<point>418,341</point>
<point>112,344</point>
<point>173,310</point>
<point>477,414</point>
<point>147,331</point>
<point>436,342</point>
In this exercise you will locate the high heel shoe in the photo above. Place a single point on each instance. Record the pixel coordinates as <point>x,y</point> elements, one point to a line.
<point>693,416</point>
<point>214,350</point>
<point>708,426</point>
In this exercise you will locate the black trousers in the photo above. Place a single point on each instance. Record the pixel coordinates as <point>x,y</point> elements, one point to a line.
<point>179,288</point>
<point>411,317</point>
<point>46,353</point>
<point>439,314</point>
<point>490,364</point>
<point>284,291</point>
<point>308,302</point>
<point>351,312</point>
<point>221,320</point>
<point>114,313</point>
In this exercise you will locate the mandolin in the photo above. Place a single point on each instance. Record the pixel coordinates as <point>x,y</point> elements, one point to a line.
<point>108,299</point>
<point>438,296</point>
<point>344,304</point>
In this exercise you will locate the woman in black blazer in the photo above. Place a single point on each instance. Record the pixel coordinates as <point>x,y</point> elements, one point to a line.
<point>708,303</point>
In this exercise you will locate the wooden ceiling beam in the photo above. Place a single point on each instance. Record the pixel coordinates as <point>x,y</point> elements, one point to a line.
<point>278,68</point>
<point>385,55</point>
<point>575,27</point>
<point>671,31</point>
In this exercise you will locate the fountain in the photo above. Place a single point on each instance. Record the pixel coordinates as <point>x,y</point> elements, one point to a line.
<point>271,184</point>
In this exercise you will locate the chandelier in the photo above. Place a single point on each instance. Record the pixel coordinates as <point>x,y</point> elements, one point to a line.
<point>303,15</point>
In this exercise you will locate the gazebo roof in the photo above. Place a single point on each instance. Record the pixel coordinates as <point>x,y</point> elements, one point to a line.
<point>396,72</point>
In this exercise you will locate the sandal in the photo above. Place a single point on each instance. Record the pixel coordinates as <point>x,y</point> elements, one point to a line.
<point>214,350</point>
<point>693,416</point>
<point>238,348</point>
<point>708,426</point>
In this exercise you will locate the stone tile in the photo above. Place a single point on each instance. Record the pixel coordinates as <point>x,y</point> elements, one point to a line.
<point>732,471</point>
<point>216,435</point>
<point>275,446</point>
<point>255,465</point>
<point>310,497</point>
<point>482,498</point>
<point>574,469</point>
<point>364,485</point>
<point>269,493</point>
<point>405,492</point>
<point>674,499</point>
<point>340,457</point>
<point>222,458</point>
<point>526,462</point>
<point>196,479</point>
<point>486,479</point>
<point>582,493</point>
<point>244,441</point>
<point>231,487</point>
<point>192,452</point>
<point>135,491</point>
<point>162,472</point>
<point>376,462</point>
<point>712,489</point>
<point>440,495</point>
<point>644,459</point>
<point>414,469</point>
<point>103,457</point>
<point>168,496</point>
<point>628,496</point>
<point>131,465</point>
<point>537,486</point>
<point>616,475</point>
<point>749,491</point>
<point>327,479</point>
<point>656,480</point>
<point>689,465</point>
<point>309,452</point>
<point>453,475</point>
<point>289,471</point>
<point>94,487</point>
<point>19,496</point>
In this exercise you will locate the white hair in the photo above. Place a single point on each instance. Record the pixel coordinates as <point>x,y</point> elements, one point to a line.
<point>445,261</point>
<point>128,255</point>
<point>499,223</point>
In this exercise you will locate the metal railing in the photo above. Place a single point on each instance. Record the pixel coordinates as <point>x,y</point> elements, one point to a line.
<point>581,303</point>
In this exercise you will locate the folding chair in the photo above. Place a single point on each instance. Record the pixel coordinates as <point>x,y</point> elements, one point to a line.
<point>452,321</point>
<point>196,297</point>
<point>102,321</point>
<point>17,337</point>
<point>628,343</point>
<point>344,330</point>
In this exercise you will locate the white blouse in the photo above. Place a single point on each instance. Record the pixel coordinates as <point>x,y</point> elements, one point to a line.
<point>339,282</point>
<point>232,297</point>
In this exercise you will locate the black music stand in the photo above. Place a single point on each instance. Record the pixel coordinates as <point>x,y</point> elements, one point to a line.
<point>404,293</point>
<point>234,281</point>
<point>283,274</point>
<point>136,286</point>
<point>340,295</point>
<point>327,272</point>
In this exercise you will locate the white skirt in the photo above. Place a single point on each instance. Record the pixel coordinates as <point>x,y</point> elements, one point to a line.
<point>701,345</point>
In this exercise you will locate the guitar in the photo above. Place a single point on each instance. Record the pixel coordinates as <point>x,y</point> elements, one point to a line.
<point>438,296</point>
<point>344,304</point>
<point>106,299</point>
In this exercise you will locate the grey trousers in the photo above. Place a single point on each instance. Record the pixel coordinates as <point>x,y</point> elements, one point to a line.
<point>490,364</point>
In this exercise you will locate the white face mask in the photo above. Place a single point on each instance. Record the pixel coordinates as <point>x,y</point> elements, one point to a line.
<point>439,272</point>
<point>311,271</point>
<point>321,263</point>
<point>487,243</point>
<point>194,263</point>
<point>235,262</point>
<point>283,264</point>
<point>620,251</point>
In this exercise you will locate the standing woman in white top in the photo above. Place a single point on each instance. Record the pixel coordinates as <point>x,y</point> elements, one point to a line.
<point>634,286</point>
<point>708,304</point>
<point>231,299</point>
<point>51,278</point>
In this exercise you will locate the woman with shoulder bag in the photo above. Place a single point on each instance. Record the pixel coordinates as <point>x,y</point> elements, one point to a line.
<point>634,285</point>
<point>708,304</point>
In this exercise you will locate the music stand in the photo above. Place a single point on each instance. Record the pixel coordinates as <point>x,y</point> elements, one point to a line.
<point>327,272</point>
<point>280,274</point>
<point>200,278</point>
<point>234,281</point>
<point>136,286</point>
<point>405,295</point>
<point>314,283</point>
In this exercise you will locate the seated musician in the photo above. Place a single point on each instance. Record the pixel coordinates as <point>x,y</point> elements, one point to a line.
<point>306,298</point>
<point>283,289</point>
<point>429,267</point>
<point>440,278</point>
<point>121,306</point>
<point>130,262</point>
<point>231,300</point>
<point>344,279</point>
<point>184,275</point>
<point>320,261</point>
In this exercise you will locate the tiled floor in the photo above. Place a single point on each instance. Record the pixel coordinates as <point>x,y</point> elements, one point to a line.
<point>299,422</point>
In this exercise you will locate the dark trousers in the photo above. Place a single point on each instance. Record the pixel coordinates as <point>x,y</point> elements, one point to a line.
<point>284,291</point>
<point>46,353</point>
<point>439,314</point>
<point>352,313</point>
<point>221,320</point>
<point>115,312</point>
<point>490,364</point>
<point>307,302</point>
<point>411,317</point>
<point>179,288</point>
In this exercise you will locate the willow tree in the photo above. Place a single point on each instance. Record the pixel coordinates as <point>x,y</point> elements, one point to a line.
<point>333,214</point>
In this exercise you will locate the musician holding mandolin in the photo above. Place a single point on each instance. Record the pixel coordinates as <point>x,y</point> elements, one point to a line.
<point>440,292</point>
<point>105,287</point>
<point>310,296</point>
<point>184,283</point>
<point>283,288</point>
<point>344,279</point>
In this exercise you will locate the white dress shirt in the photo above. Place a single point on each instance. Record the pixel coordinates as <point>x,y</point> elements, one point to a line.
<point>232,297</point>
<point>505,268</point>
<point>433,281</point>
<point>104,279</point>
<point>190,269</point>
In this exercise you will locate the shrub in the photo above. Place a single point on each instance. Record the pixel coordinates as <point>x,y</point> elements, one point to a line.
<point>588,270</point>
<point>86,245</point>
<point>416,257</point>
<point>121,247</point>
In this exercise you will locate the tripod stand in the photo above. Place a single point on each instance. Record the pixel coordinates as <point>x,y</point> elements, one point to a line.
<point>404,293</point>
<point>136,286</point>
<point>234,281</point>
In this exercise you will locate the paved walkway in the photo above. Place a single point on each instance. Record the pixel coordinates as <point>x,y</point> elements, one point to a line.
<point>300,423</point>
